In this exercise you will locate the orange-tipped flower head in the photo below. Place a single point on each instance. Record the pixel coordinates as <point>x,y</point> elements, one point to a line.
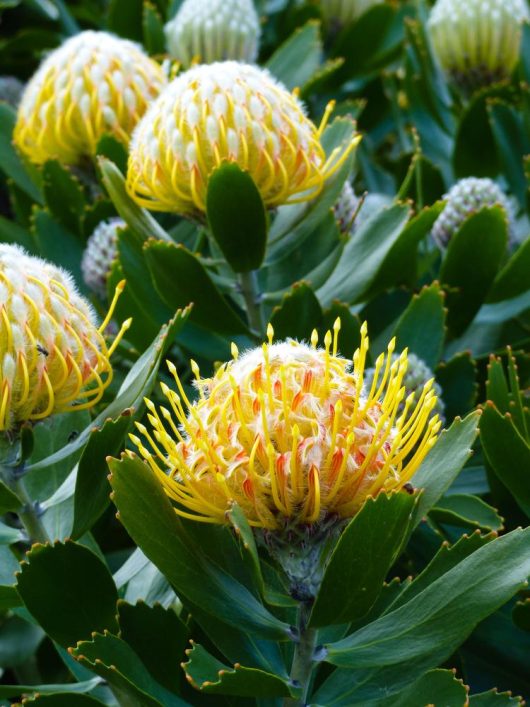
<point>290,433</point>
<point>227,112</point>
<point>53,357</point>
<point>92,85</point>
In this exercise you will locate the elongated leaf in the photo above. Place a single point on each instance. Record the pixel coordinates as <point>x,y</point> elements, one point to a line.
<point>209,675</point>
<point>508,454</point>
<point>512,280</point>
<point>466,511</point>
<point>137,218</point>
<point>297,60</point>
<point>363,256</point>
<point>116,662</point>
<point>297,315</point>
<point>443,463</point>
<point>65,699</point>
<point>76,688</point>
<point>92,488</point>
<point>447,557</point>
<point>158,637</point>
<point>237,217</point>
<point>180,279</point>
<point>446,612</point>
<point>24,175</point>
<point>421,328</point>
<point>63,194</point>
<point>361,559</point>
<point>149,518</point>
<point>437,687</point>
<point>471,263</point>
<point>68,590</point>
<point>9,501</point>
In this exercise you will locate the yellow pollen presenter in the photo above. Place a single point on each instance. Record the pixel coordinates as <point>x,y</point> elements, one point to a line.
<point>228,112</point>
<point>93,84</point>
<point>290,432</point>
<point>53,356</point>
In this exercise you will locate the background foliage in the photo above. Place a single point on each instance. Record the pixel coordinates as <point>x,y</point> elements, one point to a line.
<point>443,577</point>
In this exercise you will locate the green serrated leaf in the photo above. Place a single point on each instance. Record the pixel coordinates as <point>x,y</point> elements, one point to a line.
<point>458,380</point>
<point>116,662</point>
<point>149,518</point>
<point>507,453</point>
<point>209,675</point>
<point>436,621</point>
<point>466,511</point>
<point>63,194</point>
<point>68,590</point>
<point>158,637</point>
<point>471,263</point>
<point>12,164</point>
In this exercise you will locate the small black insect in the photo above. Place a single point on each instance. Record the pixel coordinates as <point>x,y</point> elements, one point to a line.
<point>42,350</point>
<point>73,435</point>
<point>409,488</point>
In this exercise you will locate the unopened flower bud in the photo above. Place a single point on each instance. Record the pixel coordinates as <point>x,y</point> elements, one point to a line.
<point>214,30</point>
<point>477,41</point>
<point>99,255</point>
<point>346,209</point>
<point>465,198</point>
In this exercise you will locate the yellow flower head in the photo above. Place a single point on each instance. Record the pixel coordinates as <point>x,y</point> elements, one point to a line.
<point>53,357</point>
<point>232,112</point>
<point>92,85</point>
<point>290,433</point>
<point>477,41</point>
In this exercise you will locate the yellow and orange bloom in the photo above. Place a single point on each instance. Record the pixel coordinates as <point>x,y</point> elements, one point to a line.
<point>227,112</point>
<point>92,85</point>
<point>289,432</point>
<point>53,356</point>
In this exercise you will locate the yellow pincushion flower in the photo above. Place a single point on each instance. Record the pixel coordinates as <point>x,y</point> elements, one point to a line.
<point>92,85</point>
<point>53,356</point>
<point>290,433</point>
<point>227,112</point>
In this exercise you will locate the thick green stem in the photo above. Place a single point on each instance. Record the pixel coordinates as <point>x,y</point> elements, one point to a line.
<point>28,513</point>
<point>303,659</point>
<point>248,282</point>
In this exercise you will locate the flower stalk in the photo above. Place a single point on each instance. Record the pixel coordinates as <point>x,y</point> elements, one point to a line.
<point>303,659</point>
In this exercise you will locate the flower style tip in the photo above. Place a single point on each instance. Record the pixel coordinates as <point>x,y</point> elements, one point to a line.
<point>227,112</point>
<point>290,432</point>
<point>93,84</point>
<point>477,41</point>
<point>53,356</point>
<point>213,30</point>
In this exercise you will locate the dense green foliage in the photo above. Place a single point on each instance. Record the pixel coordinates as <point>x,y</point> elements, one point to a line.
<point>423,599</point>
